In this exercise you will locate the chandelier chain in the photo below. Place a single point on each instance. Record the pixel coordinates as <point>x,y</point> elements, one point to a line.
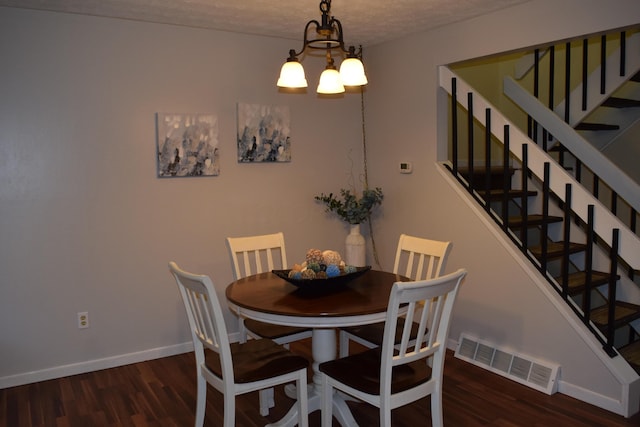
<point>366,175</point>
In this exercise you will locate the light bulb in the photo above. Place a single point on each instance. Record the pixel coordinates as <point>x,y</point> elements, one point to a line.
<point>292,75</point>
<point>330,82</point>
<point>352,72</point>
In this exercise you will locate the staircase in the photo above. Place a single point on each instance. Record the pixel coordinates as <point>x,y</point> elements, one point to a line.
<point>600,121</point>
<point>541,205</point>
<point>567,264</point>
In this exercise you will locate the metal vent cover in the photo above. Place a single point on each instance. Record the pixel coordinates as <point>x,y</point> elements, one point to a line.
<point>526,370</point>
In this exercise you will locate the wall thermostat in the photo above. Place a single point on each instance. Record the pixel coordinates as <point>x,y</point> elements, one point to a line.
<point>405,167</point>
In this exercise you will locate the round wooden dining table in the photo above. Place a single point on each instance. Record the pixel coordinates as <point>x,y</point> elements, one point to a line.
<point>269,298</point>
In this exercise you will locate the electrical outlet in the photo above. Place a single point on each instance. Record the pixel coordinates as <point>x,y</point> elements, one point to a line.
<point>83,319</point>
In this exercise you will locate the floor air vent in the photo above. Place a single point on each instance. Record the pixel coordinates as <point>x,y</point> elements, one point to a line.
<point>525,370</point>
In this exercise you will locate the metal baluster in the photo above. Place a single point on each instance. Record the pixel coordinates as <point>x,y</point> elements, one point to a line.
<point>545,215</point>
<point>552,81</point>
<point>566,239</point>
<point>524,203</point>
<point>585,54</point>
<point>487,160</point>
<point>454,123</point>
<point>603,64</point>
<point>623,53</point>
<point>588,266</point>
<point>612,287</point>
<point>536,88</point>
<point>567,82</point>
<point>552,66</point>
<point>470,138</point>
<point>505,179</point>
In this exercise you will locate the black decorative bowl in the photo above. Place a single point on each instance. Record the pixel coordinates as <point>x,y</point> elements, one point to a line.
<point>320,283</point>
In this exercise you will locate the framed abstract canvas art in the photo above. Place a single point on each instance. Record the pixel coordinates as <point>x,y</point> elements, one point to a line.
<point>187,145</point>
<point>263,133</point>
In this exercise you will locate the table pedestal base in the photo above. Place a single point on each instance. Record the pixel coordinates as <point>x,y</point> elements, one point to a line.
<point>340,411</point>
<point>323,346</point>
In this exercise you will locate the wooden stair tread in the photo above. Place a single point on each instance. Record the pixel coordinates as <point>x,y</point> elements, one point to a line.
<point>596,126</point>
<point>614,102</point>
<point>496,193</point>
<point>533,220</point>
<point>625,312</point>
<point>496,176</point>
<point>577,280</point>
<point>556,249</point>
<point>494,169</point>
<point>631,353</point>
<point>558,148</point>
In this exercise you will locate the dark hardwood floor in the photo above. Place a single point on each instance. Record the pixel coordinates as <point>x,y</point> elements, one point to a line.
<point>163,393</point>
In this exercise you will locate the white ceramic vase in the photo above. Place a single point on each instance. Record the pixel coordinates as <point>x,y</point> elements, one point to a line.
<point>355,248</point>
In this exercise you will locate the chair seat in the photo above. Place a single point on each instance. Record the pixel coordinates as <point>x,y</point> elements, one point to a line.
<point>374,333</point>
<point>257,360</point>
<point>272,332</point>
<point>362,372</point>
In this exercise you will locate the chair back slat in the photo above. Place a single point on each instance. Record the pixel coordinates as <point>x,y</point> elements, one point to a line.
<point>420,258</point>
<point>204,326</point>
<point>247,264</point>
<point>406,332</point>
<point>423,329</point>
<point>257,254</point>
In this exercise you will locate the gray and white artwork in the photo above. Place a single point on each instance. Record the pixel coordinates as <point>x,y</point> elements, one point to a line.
<point>187,145</point>
<point>263,133</point>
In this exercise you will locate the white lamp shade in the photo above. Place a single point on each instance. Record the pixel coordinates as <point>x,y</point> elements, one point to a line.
<point>292,75</point>
<point>352,72</point>
<point>330,82</point>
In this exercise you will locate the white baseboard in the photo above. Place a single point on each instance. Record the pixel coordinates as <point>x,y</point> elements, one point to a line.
<point>93,365</point>
<point>97,364</point>
<point>595,399</point>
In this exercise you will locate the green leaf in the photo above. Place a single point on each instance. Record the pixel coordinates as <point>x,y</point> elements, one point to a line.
<point>350,208</point>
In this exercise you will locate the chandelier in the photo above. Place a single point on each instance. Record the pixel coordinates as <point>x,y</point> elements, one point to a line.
<point>328,36</point>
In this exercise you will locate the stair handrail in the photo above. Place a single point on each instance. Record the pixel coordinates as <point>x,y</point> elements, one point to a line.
<point>629,243</point>
<point>600,165</point>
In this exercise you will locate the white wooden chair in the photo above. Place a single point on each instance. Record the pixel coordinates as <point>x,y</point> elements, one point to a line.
<point>420,259</point>
<point>249,255</point>
<point>253,255</point>
<point>237,368</point>
<point>395,375</point>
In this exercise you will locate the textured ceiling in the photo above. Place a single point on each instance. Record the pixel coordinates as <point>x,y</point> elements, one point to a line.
<point>365,22</point>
